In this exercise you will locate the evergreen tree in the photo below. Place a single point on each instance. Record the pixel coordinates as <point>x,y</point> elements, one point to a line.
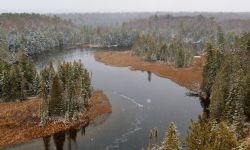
<point>43,92</point>
<point>56,103</point>
<point>224,137</point>
<point>220,91</point>
<point>27,68</point>
<point>212,64</point>
<point>46,77</point>
<point>220,36</point>
<point>198,133</point>
<point>207,134</point>
<point>234,110</point>
<point>16,79</point>
<point>180,57</point>
<point>247,101</point>
<point>238,119</point>
<point>171,140</point>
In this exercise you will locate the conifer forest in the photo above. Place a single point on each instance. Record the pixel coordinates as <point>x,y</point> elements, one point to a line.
<point>127,75</point>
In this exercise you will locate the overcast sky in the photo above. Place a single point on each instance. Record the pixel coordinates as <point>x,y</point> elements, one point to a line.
<point>62,6</point>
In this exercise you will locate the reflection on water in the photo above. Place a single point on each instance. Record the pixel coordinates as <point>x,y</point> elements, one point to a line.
<point>59,139</point>
<point>149,75</point>
<point>140,101</point>
<point>46,141</point>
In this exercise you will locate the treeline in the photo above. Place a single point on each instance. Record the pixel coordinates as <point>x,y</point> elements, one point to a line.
<point>175,40</point>
<point>195,27</point>
<point>102,19</point>
<point>109,37</point>
<point>35,33</point>
<point>117,19</point>
<point>174,51</point>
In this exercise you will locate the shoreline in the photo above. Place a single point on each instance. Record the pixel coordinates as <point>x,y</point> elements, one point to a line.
<point>19,121</point>
<point>187,77</point>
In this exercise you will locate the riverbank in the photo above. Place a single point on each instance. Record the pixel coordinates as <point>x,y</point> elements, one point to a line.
<point>188,77</point>
<point>19,121</point>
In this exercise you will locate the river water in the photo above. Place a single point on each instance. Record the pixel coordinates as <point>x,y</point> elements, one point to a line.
<point>140,101</point>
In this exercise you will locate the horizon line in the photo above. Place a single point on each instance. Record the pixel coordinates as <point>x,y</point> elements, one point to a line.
<point>117,12</point>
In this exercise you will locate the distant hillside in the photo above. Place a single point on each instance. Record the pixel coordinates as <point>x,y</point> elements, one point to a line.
<point>191,27</point>
<point>102,19</point>
<point>25,20</point>
<point>114,19</point>
<point>35,33</point>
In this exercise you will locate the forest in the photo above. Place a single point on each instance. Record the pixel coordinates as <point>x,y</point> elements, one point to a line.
<point>226,85</point>
<point>221,41</point>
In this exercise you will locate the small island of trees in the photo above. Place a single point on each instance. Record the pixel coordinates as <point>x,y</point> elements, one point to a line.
<point>66,92</point>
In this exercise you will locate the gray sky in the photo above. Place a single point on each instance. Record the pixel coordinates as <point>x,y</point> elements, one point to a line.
<point>59,6</point>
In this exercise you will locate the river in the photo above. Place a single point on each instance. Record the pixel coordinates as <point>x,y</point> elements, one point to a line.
<point>140,101</point>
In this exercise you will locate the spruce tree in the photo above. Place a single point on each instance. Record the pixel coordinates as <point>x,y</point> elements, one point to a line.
<point>198,133</point>
<point>171,140</point>
<point>208,74</point>
<point>235,100</point>
<point>247,98</point>
<point>223,137</point>
<point>220,91</point>
<point>211,67</point>
<point>238,119</point>
<point>16,84</point>
<point>206,134</point>
<point>220,36</point>
<point>180,57</point>
<point>56,103</point>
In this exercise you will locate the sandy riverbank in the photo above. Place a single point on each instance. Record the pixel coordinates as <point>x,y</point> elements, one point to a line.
<point>187,77</point>
<point>19,121</point>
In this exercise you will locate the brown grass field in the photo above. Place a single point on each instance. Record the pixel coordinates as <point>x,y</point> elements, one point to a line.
<point>187,77</point>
